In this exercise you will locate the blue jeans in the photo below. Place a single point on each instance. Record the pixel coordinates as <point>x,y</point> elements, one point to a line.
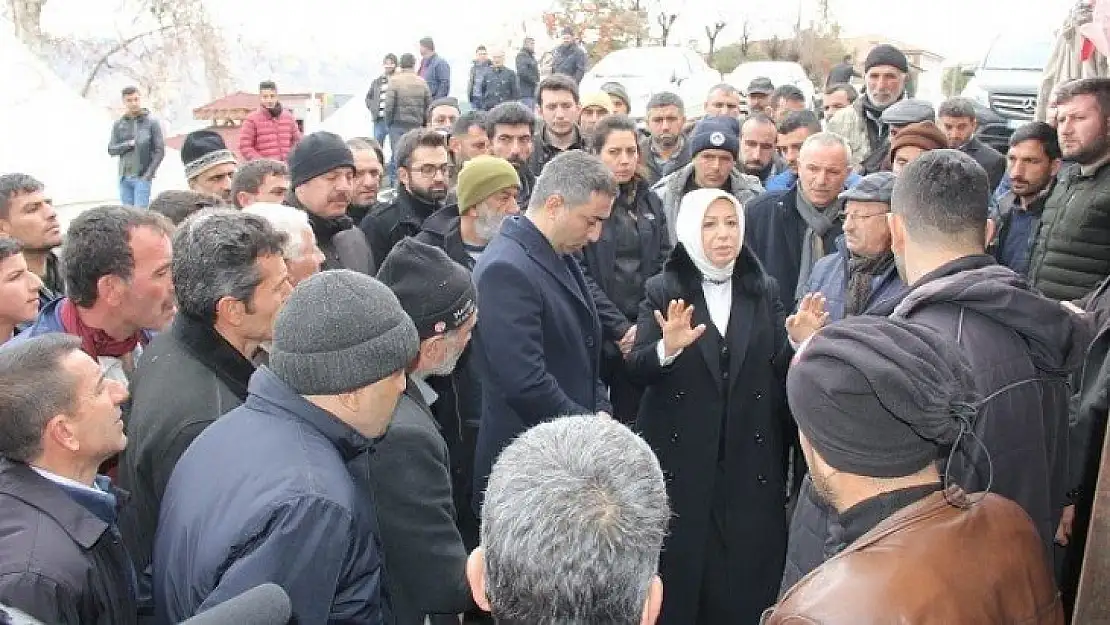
<point>381,131</point>
<point>134,191</point>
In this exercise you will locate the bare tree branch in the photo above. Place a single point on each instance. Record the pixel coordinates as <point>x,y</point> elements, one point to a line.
<point>119,47</point>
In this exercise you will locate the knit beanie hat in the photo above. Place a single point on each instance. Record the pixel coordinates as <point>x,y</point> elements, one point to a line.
<point>616,89</point>
<point>879,397</point>
<point>599,99</point>
<point>481,177</point>
<point>435,291</point>
<point>923,135</point>
<point>886,54</point>
<point>316,155</point>
<point>340,331</point>
<point>716,133</point>
<point>202,150</point>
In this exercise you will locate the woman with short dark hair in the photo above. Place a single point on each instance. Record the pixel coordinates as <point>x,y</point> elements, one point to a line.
<point>633,247</point>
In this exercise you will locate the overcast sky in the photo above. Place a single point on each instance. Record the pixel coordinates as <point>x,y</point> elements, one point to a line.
<point>960,30</point>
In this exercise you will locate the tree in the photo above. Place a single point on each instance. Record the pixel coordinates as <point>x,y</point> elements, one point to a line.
<point>775,48</point>
<point>745,37</point>
<point>155,48</point>
<point>602,25</point>
<point>666,22</point>
<point>712,32</point>
<point>955,80</point>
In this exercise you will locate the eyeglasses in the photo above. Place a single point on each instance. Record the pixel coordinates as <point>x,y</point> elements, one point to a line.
<point>429,171</point>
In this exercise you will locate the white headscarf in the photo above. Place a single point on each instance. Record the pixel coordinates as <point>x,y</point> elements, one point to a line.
<point>691,213</point>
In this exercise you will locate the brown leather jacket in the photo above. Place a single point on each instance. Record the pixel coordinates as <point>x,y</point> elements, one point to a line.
<point>933,562</point>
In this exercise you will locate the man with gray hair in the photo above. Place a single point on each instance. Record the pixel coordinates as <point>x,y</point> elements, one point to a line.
<point>230,282</point>
<point>301,253</point>
<point>791,230</point>
<point>539,338</point>
<point>573,523</point>
<point>723,100</point>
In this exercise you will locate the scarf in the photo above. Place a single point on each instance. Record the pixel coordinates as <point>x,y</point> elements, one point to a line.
<point>326,228</point>
<point>688,228</point>
<point>274,112</point>
<point>94,341</point>
<point>818,224</point>
<point>861,271</point>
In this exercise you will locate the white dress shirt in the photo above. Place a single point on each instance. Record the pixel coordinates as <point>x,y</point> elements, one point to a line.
<point>718,301</point>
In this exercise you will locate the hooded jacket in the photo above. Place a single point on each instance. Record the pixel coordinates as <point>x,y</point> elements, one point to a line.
<point>406,101</point>
<point>1022,348</point>
<point>671,189</point>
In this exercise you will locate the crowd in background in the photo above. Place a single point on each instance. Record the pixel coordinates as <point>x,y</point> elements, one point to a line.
<point>547,364</point>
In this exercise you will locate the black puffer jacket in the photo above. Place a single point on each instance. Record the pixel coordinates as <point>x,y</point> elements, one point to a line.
<point>1072,253</point>
<point>1022,347</point>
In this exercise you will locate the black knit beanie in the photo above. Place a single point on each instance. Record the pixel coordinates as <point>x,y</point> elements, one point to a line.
<point>879,397</point>
<point>436,292</point>
<point>886,54</point>
<point>316,155</point>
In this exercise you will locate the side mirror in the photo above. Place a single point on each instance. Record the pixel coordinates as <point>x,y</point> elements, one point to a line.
<point>968,71</point>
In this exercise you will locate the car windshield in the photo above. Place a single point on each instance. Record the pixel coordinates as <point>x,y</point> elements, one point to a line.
<point>639,62</point>
<point>1018,54</point>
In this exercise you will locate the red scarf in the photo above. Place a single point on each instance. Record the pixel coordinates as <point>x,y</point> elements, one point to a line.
<point>95,342</point>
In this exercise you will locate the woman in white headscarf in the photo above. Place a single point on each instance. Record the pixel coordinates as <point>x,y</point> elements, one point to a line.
<point>712,350</point>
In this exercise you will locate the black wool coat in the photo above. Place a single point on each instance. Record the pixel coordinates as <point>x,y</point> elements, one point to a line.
<point>680,417</point>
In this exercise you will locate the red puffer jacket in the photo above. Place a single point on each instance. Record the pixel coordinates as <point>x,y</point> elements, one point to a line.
<point>264,135</point>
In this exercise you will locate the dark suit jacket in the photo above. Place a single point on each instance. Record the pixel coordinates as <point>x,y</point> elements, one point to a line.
<point>538,340</point>
<point>989,158</point>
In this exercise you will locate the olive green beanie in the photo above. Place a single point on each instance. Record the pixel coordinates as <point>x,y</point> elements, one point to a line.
<point>481,177</point>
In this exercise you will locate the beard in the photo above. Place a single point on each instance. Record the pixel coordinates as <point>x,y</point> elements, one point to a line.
<point>754,168</point>
<point>488,224</point>
<point>447,367</point>
<point>666,141</point>
<point>430,195</point>
<point>1093,153</point>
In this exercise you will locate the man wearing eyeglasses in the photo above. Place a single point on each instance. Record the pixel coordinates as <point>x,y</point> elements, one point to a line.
<point>423,174</point>
<point>862,271</point>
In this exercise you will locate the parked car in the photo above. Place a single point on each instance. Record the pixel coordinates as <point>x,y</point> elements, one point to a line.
<point>1007,82</point>
<point>780,73</point>
<point>649,70</point>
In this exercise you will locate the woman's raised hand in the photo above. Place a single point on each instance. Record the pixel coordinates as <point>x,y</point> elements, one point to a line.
<point>678,330</point>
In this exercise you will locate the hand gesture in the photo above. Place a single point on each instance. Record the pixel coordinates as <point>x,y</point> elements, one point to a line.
<point>677,331</point>
<point>810,318</point>
<point>626,343</point>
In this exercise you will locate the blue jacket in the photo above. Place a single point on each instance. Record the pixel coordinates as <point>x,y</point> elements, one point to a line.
<point>830,277</point>
<point>437,73</point>
<point>538,340</point>
<point>276,490</point>
<point>786,180</point>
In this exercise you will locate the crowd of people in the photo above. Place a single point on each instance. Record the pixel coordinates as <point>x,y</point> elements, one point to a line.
<point>761,367</point>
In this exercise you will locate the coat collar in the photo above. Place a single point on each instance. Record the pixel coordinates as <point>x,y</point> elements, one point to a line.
<point>213,351</point>
<point>562,267</point>
<point>21,482</point>
<point>270,395</point>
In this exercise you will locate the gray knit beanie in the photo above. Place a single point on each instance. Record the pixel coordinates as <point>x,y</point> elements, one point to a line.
<point>340,331</point>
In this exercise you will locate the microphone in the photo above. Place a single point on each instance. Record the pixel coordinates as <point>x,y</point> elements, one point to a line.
<point>266,604</point>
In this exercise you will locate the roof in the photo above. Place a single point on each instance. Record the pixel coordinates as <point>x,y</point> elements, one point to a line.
<point>230,135</point>
<point>236,106</point>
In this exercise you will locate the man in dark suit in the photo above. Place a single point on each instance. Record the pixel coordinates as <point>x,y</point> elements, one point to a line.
<point>957,118</point>
<point>538,339</point>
